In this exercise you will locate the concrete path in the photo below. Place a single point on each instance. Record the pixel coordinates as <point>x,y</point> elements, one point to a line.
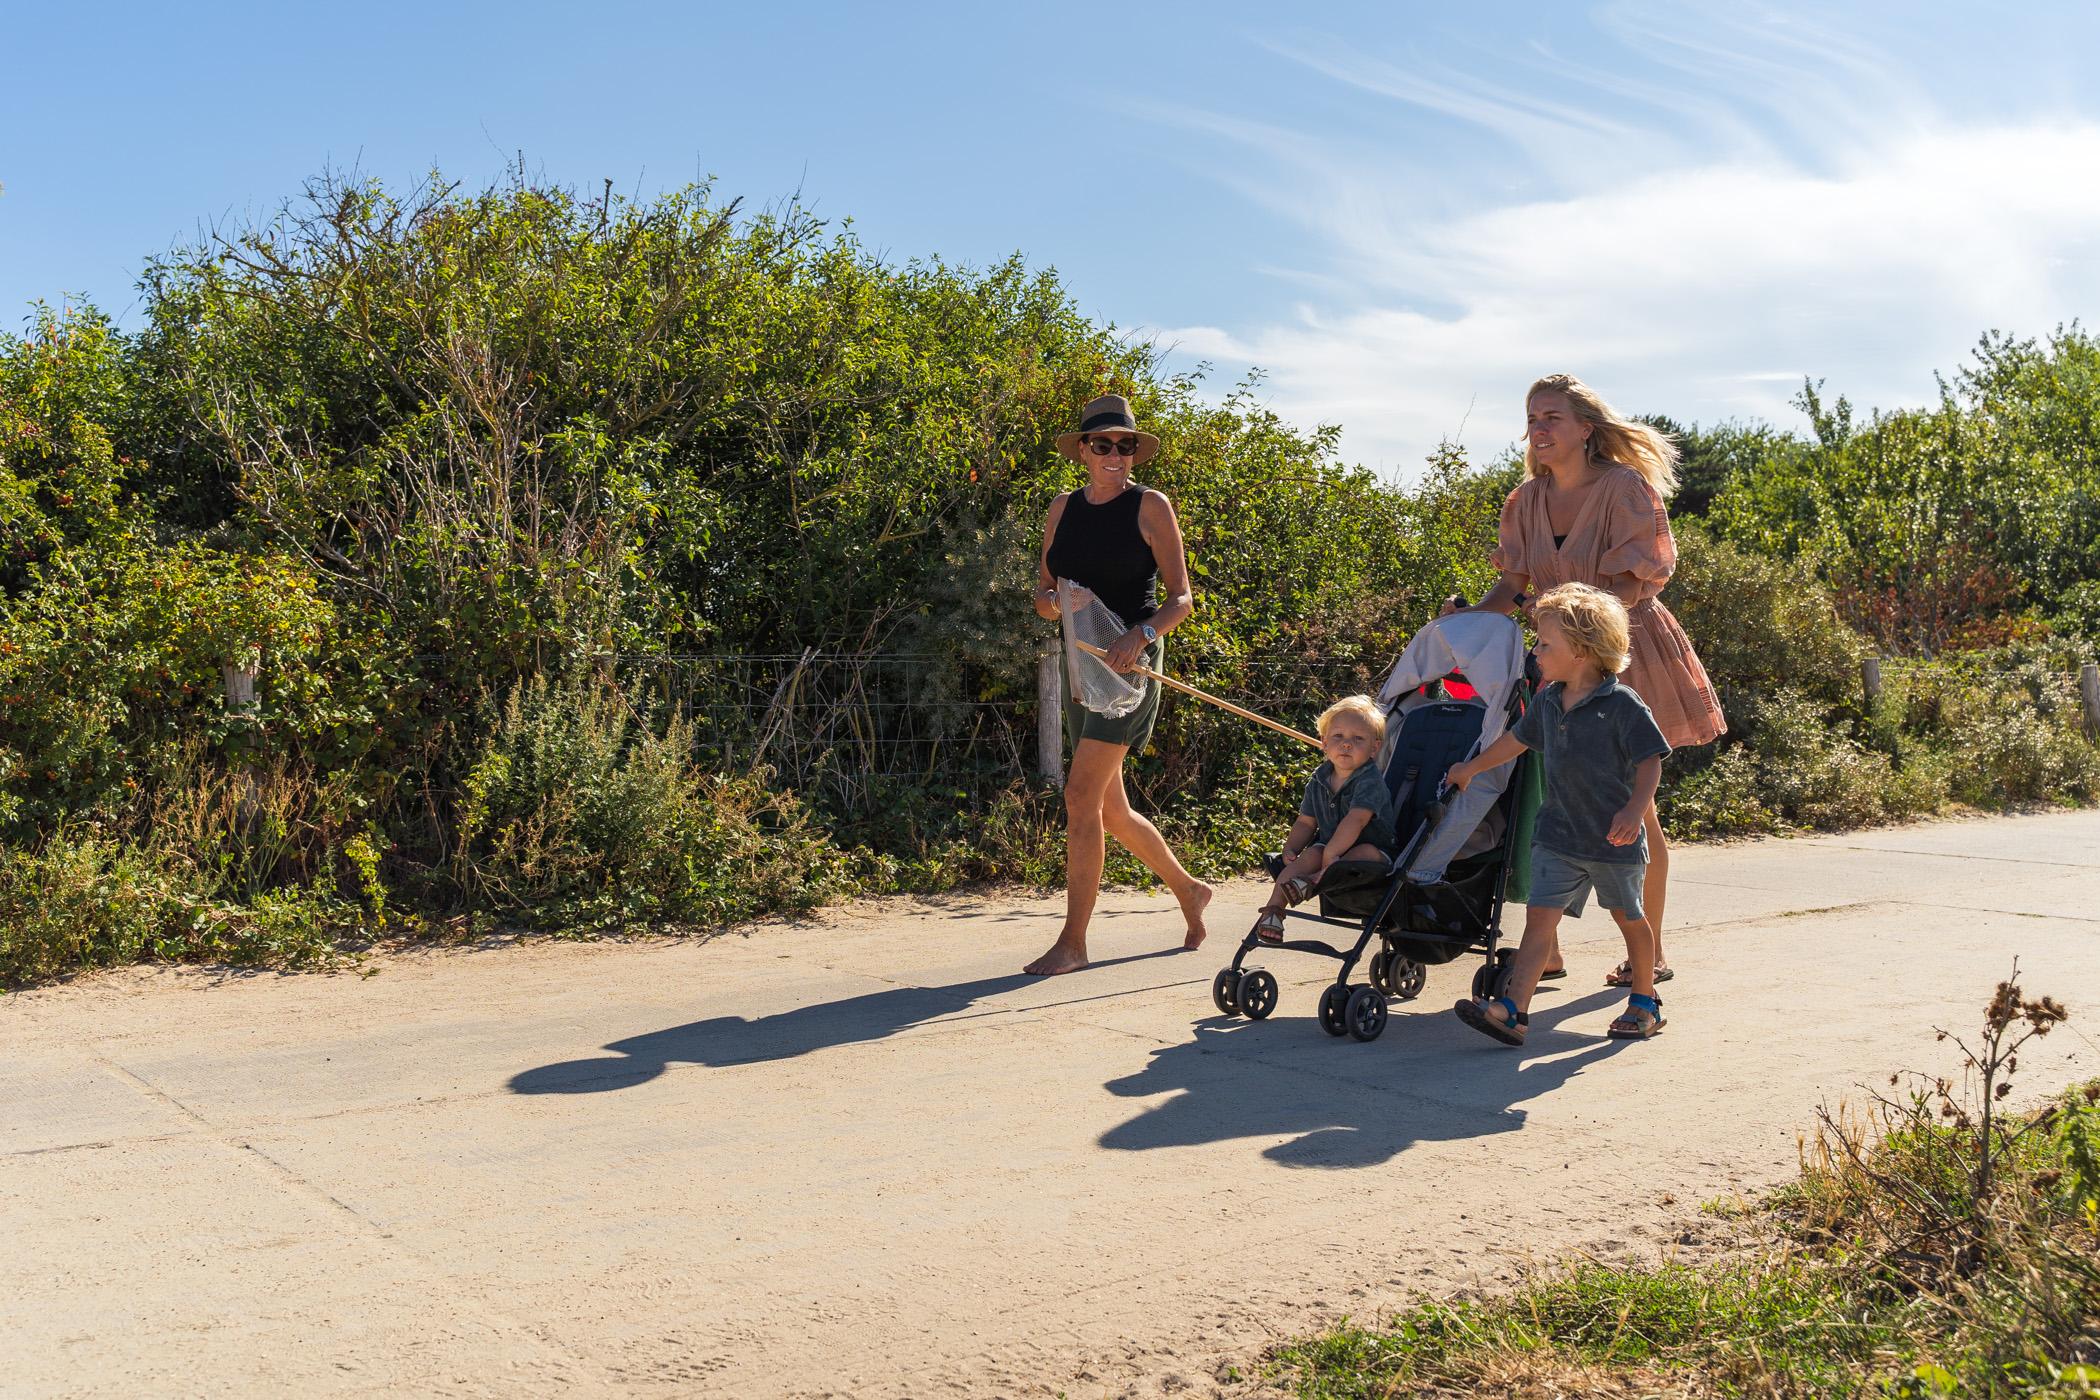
<point>862,1157</point>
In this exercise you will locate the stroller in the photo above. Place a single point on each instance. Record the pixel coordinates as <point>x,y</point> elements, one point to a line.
<point>1441,897</point>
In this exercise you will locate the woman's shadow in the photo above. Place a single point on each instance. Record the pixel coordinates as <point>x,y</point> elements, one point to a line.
<point>736,1040</point>
<point>1346,1105</point>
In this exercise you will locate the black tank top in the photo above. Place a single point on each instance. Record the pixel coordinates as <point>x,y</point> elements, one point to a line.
<point>1100,547</point>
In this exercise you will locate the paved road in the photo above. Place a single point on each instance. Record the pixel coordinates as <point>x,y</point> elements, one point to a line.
<point>861,1157</point>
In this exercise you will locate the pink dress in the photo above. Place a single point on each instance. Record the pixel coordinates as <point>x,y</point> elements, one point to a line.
<point>1623,529</point>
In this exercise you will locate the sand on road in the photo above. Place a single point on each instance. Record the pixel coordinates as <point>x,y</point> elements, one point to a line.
<point>862,1156</point>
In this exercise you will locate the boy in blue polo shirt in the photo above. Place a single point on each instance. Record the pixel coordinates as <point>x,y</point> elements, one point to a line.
<point>1603,756</point>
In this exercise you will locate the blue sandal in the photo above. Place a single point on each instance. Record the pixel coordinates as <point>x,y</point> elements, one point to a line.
<point>1642,1018</point>
<point>1509,1032</point>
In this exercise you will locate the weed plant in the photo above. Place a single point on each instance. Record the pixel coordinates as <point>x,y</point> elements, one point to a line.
<point>1935,1244</point>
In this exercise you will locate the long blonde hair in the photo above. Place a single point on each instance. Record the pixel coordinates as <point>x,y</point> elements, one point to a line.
<point>1612,438</point>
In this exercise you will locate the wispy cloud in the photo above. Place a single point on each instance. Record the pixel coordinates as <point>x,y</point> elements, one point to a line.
<point>1763,200</point>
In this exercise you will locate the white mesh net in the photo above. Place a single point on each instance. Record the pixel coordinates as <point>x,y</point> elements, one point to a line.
<point>1094,685</point>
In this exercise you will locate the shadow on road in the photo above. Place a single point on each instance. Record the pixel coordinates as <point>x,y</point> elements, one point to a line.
<point>1340,1104</point>
<point>735,1040</point>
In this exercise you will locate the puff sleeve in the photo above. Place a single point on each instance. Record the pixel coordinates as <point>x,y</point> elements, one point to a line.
<point>1512,551</point>
<point>1636,536</point>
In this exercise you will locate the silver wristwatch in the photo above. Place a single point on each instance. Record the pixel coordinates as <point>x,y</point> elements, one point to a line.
<point>1151,632</point>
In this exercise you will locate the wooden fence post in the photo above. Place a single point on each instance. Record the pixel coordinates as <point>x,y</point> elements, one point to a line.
<point>1049,720</point>
<point>240,696</point>
<point>2089,691</point>
<point>1870,680</point>
<point>240,685</point>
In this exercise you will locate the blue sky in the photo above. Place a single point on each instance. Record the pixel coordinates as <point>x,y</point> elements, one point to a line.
<point>1402,212</point>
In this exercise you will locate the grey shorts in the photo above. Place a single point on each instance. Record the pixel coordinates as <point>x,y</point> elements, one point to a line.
<point>1563,880</point>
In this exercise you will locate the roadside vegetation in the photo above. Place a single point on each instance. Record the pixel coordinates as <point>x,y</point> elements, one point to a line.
<point>600,565</point>
<point>1936,1244</point>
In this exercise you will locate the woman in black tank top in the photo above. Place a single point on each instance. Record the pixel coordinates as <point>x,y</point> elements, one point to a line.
<point>1121,541</point>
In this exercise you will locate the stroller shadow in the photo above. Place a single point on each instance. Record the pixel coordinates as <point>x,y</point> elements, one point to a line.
<point>1340,1105</point>
<point>735,1040</point>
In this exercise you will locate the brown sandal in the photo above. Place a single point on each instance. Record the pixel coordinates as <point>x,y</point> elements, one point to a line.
<point>1622,975</point>
<point>1299,888</point>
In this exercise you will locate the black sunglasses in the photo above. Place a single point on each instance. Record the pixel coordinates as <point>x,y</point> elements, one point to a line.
<point>1101,447</point>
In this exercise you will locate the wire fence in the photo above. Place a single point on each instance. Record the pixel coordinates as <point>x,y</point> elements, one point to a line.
<point>851,725</point>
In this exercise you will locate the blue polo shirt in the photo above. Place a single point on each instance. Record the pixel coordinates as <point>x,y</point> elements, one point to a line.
<point>1589,754</point>
<point>1365,788</point>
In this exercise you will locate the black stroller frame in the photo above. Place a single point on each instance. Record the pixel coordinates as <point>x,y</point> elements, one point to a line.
<point>1416,924</point>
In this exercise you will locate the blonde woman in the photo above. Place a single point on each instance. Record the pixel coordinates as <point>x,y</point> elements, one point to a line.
<point>1590,510</point>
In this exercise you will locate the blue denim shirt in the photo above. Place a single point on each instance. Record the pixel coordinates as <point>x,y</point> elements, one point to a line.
<point>1589,754</point>
<point>1365,788</point>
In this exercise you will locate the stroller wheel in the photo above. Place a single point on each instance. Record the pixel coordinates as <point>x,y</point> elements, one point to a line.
<point>1380,967</point>
<point>1225,990</point>
<point>1492,977</point>
<point>1404,978</point>
<point>1334,1003</point>
<point>1365,1014</point>
<point>1257,994</point>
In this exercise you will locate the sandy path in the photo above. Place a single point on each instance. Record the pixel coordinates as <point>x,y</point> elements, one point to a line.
<point>860,1157</point>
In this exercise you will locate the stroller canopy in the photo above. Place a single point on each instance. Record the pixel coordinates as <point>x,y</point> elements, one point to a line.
<point>1488,648</point>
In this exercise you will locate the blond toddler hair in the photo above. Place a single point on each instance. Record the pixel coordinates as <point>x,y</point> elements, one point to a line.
<point>1363,707</point>
<point>1593,621</point>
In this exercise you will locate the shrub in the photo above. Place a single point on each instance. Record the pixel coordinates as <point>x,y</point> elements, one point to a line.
<point>1761,626</point>
<point>2009,721</point>
<point>112,662</point>
<point>80,900</point>
<point>576,813</point>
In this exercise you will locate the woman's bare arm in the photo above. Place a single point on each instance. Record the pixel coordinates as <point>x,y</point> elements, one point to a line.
<point>1502,598</point>
<point>1045,581</point>
<point>1162,530</point>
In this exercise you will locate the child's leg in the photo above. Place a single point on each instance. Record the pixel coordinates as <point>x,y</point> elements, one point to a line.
<point>1268,925</point>
<point>1490,1015</point>
<point>1640,950</point>
<point>1541,932</point>
<point>1306,862</point>
<point>1643,1016</point>
<point>1656,885</point>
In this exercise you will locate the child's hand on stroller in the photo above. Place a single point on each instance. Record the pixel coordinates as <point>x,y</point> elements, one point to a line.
<point>1626,826</point>
<point>1459,776</point>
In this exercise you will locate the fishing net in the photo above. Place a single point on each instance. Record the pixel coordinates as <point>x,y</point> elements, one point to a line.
<point>1093,684</point>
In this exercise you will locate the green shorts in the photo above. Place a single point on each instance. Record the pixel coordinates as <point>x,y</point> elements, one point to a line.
<point>1133,730</point>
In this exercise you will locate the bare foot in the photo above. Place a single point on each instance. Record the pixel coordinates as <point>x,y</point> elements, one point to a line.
<point>1062,957</point>
<point>1193,902</point>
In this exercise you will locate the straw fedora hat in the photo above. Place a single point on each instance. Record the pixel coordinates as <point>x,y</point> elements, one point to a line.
<point>1105,415</point>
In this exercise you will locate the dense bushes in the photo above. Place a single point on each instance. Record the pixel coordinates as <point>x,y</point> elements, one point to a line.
<point>1990,728</point>
<point>461,478</point>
